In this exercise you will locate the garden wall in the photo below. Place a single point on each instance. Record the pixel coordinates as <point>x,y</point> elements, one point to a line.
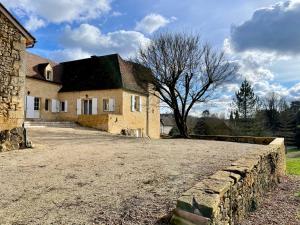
<point>230,194</point>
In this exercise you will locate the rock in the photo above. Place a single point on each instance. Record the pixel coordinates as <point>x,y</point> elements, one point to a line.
<point>12,139</point>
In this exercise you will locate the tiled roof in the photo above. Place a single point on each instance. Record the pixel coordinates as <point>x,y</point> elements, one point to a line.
<point>35,66</point>
<point>104,72</point>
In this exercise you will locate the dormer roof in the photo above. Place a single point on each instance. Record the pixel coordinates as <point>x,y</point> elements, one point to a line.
<point>36,65</point>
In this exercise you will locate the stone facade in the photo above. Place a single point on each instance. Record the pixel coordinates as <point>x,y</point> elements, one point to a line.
<point>147,120</point>
<point>12,75</point>
<point>48,101</point>
<point>230,194</point>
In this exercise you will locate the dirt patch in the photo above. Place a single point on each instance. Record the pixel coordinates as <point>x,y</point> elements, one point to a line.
<point>81,176</point>
<point>281,206</point>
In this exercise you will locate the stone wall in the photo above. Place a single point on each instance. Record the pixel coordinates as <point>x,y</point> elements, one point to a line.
<point>229,195</point>
<point>12,75</point>
<point>239,139</point>
<point>99,122</point>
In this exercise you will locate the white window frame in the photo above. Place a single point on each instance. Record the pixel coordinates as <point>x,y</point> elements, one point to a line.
<point>110,106</point>
<point>94,106</point>
<point>136,103</point>
<point>89,109</point>
<point>78,109</point>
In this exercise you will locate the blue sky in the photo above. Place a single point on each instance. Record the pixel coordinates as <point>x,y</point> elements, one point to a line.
<point>263,36</point>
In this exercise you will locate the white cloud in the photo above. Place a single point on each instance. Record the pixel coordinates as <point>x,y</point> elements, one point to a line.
<point>275,28</point>
<point>294,91</point>
<point>68,54</point>
<point>116,14</point>
<point>34,23</point>
<point>255,66</point>
<point>152,23</point>
<point>90,40</point>
<point>58,11</point>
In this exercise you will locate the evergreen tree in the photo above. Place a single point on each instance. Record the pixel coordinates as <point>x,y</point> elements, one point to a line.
<point>246,101</point>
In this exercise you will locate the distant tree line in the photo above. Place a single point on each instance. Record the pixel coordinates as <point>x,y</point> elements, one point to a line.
<point>269,116</point>
<point>250,115</point>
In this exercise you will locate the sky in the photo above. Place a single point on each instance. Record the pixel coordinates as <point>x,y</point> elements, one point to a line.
<point>262,36</point>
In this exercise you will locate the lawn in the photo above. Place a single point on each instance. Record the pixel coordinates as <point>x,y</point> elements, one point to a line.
<point>293,162</point>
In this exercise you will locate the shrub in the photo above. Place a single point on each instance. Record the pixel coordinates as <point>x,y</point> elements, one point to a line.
<point>174,132</point>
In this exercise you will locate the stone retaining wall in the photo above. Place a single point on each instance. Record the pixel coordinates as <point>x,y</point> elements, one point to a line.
<point>230,194</point>
<point>239,139</point>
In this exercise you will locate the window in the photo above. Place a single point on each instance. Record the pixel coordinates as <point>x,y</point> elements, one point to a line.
<point>62,106</point>
<point>48,75</point>
<point>105,105</point>
<point>108,105</point>
<point>47,104</point>
<point>87,107</point>
<point>136,103</point>
<point>36,104</point>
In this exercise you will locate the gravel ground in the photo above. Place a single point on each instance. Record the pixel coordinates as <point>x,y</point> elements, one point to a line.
<point>81,176</point>
<point>280,207</point>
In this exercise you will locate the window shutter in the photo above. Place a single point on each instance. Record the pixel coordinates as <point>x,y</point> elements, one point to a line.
<point>78,106</point>
<point>29,107</point>
<point>94,106</point>
<point>53,105</point>
<point>132,103</point>
<point>57,106</point>
<point>66,106</point>
<point>111,105</point>
<point>140,106</point>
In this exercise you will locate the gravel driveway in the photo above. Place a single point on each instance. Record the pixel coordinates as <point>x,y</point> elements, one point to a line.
<point>81,176</point>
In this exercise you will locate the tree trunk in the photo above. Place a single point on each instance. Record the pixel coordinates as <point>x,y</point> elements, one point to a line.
<point>181,125</point>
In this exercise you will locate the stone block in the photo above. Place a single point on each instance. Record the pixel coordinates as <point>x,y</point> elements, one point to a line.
<point>199,202</point>
<point>181,217</point>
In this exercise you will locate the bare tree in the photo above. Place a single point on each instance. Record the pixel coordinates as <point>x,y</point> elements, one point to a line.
<point>273,105</point>
<point>185,72</point>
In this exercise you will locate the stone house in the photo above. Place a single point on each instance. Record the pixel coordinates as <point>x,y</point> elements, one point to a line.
<point>103,92</point>
<point>14,39</point>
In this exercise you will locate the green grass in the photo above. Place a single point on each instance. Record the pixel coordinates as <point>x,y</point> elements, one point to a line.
<point>293,150</point>
<point>293,164</point>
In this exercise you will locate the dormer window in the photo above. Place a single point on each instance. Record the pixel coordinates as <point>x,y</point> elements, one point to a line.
<point>48,75</point>
<point>48,72</point>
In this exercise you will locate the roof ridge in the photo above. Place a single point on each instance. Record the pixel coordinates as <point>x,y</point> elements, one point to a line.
<point>92,56</point>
